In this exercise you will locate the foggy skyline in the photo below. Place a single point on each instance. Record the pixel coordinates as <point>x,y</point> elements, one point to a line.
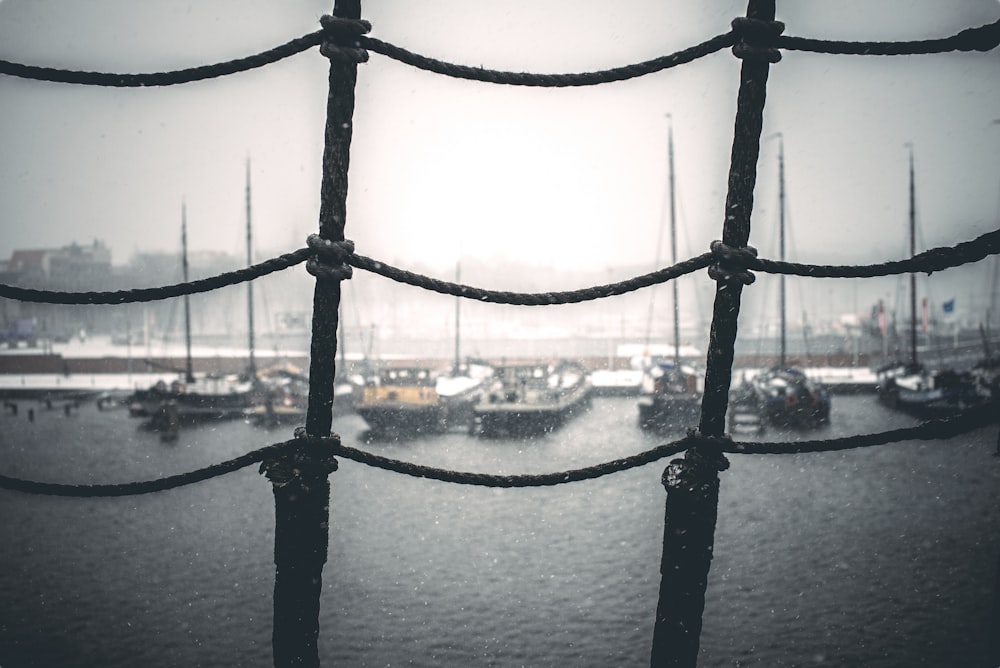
<point>442,168</point>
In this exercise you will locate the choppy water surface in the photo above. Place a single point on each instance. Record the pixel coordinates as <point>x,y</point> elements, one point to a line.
<point>878,557</point>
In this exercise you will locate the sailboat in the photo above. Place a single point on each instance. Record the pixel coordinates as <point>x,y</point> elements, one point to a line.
<point>782,395</point>
<point>671,391</point>
<point>909,385</point>
<point>191,398</point>
<point>423,399</point>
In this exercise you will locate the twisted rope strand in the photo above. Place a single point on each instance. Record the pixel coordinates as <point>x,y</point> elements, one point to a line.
<point>532,298</point>
<point>941,428</point>
<point>929,261</point>
<point>155,294</point>
<point>623,73</point>
<point>935,259</point>
<point>982,38</point>
<point>144,487</point>
<point>200,73</point>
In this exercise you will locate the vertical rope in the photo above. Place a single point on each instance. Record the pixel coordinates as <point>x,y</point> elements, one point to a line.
<point>736,231</point>
<point>300,480</point>
<point>332,219</point>
<point>692,483</point>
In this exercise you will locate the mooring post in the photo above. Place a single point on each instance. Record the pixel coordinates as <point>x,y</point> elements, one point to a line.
<point>692,483</point>
<point>300,478</point>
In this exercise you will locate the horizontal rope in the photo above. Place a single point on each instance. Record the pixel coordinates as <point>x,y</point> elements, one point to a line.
<point>622,73</point>
<point>533,298</point>
<point>188,75</point>
<point>927,262</point>
<point>982,38</point>
<point>163,292</point>
<point>941,428</point>
<point>936,259</point>
<point>144,487</point>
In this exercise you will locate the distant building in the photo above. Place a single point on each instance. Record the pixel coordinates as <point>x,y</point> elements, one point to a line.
<point>86,267</point>
<point>70,268</point>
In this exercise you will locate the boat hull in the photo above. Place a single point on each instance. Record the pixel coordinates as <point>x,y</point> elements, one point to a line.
<point>192,406</point>
<point>928,394</point>
<point>668,411</point>
<point>531,401</point>
<point>413,401</point>
<point>782,397</point>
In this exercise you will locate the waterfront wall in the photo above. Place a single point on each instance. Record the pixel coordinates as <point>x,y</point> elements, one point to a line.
<point>58,364</point>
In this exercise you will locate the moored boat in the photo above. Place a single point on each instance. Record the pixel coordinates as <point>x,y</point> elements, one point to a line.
<point>789,398</point>
<point>926,393</point>
<point>670,391</point>
<point>910,386</point>
<point>190,398</point>
<point>530,400</point>
<point>783,396</point>
<point>204,398</point>
<point>416,400</point>
<point>670,396</point>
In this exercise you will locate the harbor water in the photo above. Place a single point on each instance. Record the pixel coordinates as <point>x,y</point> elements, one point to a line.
<point>876,557</point>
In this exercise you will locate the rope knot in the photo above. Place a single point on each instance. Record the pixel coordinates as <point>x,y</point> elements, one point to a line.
<point>755,39</point>
<point>698,471</point>
<point>330,259</point>
<point>731,263</point>
<point>302,463</point>
<point>341,39</point>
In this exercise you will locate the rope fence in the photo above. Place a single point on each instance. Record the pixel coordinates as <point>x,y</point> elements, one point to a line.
<point>982,38</point>
<point>298,469</point>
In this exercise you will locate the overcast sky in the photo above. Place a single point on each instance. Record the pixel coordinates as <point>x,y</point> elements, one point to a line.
<point>569,178</point>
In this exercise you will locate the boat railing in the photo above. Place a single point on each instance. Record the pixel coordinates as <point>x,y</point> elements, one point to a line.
<point>299,468</point>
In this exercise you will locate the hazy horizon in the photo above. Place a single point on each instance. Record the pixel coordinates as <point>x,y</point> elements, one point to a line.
<point>564,180</point>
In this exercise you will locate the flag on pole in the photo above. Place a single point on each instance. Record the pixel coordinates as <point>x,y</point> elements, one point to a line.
<point>923,313</point>
<point>949,306</point>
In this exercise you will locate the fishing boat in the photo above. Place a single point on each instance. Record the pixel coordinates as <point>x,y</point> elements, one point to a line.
<point>282,393</point>
<point>670,395</point>
<point>190,398</point>
<point>282,396</point>
<point>782,395</point>
<point>670,391</point>
<point>909,385</point>
<point>421,399</point>
<point>415,400</point>
<point>531,399</point>
<point>201,398</point>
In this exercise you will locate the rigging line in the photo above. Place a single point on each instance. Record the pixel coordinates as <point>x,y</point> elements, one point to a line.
<point>661,223</point>
<point>935,429</point>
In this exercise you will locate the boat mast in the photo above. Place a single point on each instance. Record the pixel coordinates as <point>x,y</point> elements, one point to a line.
<point>458,303</point>
<point>781,243</point>
<point>188,373</point>
<point>673,241</point>
<point>913,276</point>
<point>251,365</point>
